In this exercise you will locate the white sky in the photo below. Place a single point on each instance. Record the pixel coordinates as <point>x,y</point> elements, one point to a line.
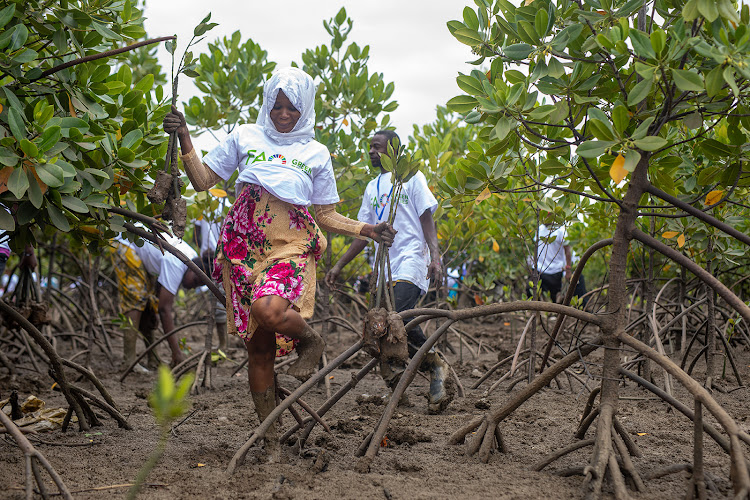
<point>409,42</point>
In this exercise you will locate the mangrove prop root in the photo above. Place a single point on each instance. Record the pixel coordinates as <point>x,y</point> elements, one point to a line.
<point>54,361</point>
<point>586,423</point>
<point>569,295</point>
<point>561,453</point>
<point>589,404</point>
<point>627,463</point>
<point>31,453</point>
<point>629,443</point>
<point>157,342</point>
<point>539,382</point>
<point>697,486</point>
<point>739,472</point>
<point>104,406</point>
<point>608,399</point>
<point>356,377</point>
<point>308,409</point>
<point>682,408</point>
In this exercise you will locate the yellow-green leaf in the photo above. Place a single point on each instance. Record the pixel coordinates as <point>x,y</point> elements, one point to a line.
<point>713,197</point>
<point>617,171</point>
<point>484,195</point>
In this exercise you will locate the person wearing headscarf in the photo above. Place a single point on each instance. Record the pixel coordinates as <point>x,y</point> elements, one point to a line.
<point>270,244</point>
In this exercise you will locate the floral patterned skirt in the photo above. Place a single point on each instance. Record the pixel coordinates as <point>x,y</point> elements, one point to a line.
<point>267,247</point>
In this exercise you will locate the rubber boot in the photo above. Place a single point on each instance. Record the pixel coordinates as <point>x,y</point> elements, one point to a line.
<point>309,350</point>
<point>129,339</point>
<point>221,333</point>
<point>265,402</point>
<point>441,385</point>
<point>153,358</point>
<point>391,375</point>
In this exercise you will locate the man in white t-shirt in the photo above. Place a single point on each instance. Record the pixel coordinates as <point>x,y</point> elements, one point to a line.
<point>135,266</point>
<point>553,257</point>
<point>414,255</point>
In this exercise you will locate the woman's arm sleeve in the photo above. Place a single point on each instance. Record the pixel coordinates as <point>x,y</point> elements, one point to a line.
<point>200,175</point>
<point>330,220</point>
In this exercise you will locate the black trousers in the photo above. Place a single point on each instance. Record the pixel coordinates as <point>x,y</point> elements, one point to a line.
<point>406,295</point>
<point>552,283</point>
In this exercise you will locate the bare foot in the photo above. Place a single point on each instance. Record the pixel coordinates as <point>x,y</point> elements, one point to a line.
<point>309,350</point>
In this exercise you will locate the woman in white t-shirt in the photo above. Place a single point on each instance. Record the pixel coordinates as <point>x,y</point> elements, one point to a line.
<point>270,244</point>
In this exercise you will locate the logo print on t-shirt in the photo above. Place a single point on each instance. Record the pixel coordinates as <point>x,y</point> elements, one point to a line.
<point>278,157</point>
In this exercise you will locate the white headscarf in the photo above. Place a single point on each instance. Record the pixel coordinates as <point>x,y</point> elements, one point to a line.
<point>300,89</point>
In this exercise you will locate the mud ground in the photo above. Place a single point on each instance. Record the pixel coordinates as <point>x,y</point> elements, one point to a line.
<point>416,463</point>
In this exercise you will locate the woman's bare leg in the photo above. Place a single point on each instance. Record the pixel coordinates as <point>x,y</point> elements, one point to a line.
<point>274,314</point>
<point>261,352</point>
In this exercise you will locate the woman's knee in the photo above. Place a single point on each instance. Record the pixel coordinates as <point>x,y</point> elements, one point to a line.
<point>269,311</point>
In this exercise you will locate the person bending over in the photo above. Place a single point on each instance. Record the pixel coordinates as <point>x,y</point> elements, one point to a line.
<point>148,281</point>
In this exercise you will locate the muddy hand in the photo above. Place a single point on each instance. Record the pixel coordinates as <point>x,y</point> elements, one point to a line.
<point>174,121</point>
<point>435,271</point>
<point>332,275</point>
<point>384,233</point>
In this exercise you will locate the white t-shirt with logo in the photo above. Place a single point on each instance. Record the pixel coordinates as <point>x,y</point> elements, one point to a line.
<point>300,174</point>
<point>551,254</point>
<point>169,269</point>
<point>410,255</point>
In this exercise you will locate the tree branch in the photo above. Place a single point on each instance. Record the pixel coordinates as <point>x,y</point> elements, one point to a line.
<point>699,214</point>
<point>724,292</point>
<point>101,55</point>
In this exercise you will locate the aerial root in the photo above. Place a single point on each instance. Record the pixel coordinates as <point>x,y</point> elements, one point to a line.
<point>627,463</point>
<point>621,491</point>
<point>113,412</point>
<point>586,423</point>
<point>32,471</point>
<point>739,467</point>
<point>314,414</point>
<point>310,422</point>
<point>561,453</point>
<point>496,416</point>
<point>389,410</point>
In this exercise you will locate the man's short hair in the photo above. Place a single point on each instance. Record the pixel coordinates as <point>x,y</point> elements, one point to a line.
<point>389,135</point>
<point>205,264</point>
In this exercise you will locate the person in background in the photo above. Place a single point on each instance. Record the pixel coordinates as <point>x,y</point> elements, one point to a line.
<point>207,236</point>
<point>553,258</point>
<point>148,281</point>
<point>415,259</point>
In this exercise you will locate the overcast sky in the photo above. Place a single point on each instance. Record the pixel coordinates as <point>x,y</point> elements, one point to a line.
<point>409,42</point>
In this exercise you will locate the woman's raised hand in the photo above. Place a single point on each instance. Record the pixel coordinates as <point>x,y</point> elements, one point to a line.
<point>174,121</point>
